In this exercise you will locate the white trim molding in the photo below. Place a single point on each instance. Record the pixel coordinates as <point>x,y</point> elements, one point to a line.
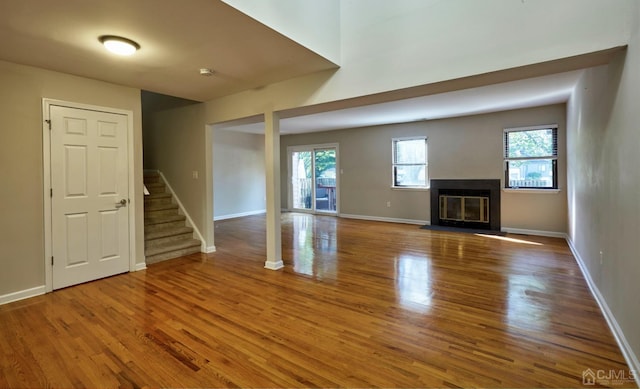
<point>532,191</point>
<point>630,357</point>
<point>141,266</point>
<point>190,223</point>
<point>522,231</point>
<point>210,249</point>
<point>241,214</point>
<point>385,219</point>
<point>274,265</point>
<point>22,294</point>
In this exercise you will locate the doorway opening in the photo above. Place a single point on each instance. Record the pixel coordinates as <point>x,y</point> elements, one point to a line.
<point>313,179</point>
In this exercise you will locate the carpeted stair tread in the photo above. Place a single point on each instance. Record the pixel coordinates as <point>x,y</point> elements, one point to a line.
<point>172,246</point>
<point>148,243</point>
<point>163,233</point>
<point>166,235</point>
<point>164,226</point>
<point>171,254</point>
<point>157,198</point>
<point>160,207</point>
<point>156,188</point>
<point>164,219</point>
<point>151,178</point>
<point>157,195</point>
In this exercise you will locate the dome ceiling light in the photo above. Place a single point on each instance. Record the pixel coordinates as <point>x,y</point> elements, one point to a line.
<point>206,72</point>
<point>119,45</point>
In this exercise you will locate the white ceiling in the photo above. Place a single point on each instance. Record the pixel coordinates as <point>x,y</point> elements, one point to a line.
<point>525,93</point>
<point>177,38</point>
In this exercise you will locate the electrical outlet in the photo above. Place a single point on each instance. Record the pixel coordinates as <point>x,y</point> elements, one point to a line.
<point>388,204</point>
<point>194,174</point>
<point>601,256</point>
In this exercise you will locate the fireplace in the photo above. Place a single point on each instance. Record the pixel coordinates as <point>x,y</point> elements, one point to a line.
<point>466,203</point>
<point>464,208</point>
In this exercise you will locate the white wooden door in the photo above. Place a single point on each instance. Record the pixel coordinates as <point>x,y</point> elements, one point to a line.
<point>90,194</point>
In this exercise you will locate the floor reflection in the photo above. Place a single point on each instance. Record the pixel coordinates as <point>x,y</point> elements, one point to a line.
<point>470,267</point>
<point>316,245</point>
<point>413,281</point>
<point>507,239</point>
<point>524,308</point>
<point>533,290</point>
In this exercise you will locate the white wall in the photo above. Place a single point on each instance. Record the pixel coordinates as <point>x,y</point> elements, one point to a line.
<point>314,24</point>
<point>239,186</point>
<point>391,45</point>
<point>604,185</point>
<point>468,147</point>
<point>425,41</point>
<point>22,88</point>
<point>175,144</point>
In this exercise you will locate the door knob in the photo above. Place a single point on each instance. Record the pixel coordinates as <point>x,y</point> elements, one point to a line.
<point>121,203</point>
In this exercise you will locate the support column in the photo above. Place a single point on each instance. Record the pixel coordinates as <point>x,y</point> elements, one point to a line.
<point>272,164</point>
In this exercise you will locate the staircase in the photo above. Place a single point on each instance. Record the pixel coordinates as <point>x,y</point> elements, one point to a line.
<point>166,234</point>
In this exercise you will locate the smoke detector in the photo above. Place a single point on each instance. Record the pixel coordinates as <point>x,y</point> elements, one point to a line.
<point>206,72</point>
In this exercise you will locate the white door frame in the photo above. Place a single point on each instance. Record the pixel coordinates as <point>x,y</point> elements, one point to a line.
<point>46,162</point>
<point>312,148</point>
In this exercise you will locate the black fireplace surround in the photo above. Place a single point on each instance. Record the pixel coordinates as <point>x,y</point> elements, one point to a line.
<point>485,188</point>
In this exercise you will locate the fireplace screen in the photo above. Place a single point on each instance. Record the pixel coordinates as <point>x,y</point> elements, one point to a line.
<point>464,208</point>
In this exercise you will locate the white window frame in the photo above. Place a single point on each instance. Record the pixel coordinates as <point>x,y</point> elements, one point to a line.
<point>312,148</point>
<point>553,157</point>
<point>394,164</point>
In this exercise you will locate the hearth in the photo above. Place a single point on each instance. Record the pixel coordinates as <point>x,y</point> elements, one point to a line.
<point>466,203</point>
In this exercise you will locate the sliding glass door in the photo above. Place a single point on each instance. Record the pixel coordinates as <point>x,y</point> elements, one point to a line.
<point>301,179</point>
<point>313,185</point>
<point>324,162</point>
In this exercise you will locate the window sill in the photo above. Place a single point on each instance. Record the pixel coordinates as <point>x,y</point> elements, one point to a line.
<point>409,188</point>
<point>532,191</point>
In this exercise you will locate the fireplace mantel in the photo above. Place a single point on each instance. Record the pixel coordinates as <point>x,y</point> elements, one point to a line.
<point>492,186</point>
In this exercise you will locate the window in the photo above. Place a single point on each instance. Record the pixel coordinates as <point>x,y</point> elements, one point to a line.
<point>530,157</point>
<point>410,163</point>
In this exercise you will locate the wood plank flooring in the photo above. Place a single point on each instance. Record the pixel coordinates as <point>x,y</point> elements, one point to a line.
<point>359,304</point>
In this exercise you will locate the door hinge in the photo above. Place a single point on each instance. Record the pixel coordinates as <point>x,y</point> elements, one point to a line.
<point>52,260</point>
<point>49,123</point>
<point>51,192</point>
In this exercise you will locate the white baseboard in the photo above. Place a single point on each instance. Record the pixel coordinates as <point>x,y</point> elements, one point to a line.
<point>625,347</point>
<point>521,231</point>
<point>23,294</point>
<point>210,249</point>
<point>241,214</point>
<point>274,265</point>
<point>140,266</point>
<point>384,219</point>
<point>190,223</point>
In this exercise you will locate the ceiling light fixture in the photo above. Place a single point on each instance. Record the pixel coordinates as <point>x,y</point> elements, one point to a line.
<point>119,45</point>
<point>206,72</point>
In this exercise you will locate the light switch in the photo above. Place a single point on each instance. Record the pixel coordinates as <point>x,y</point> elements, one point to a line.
<point>194,174</point>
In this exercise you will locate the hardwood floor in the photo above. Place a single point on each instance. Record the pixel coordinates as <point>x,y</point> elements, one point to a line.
<point>359,304</point>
